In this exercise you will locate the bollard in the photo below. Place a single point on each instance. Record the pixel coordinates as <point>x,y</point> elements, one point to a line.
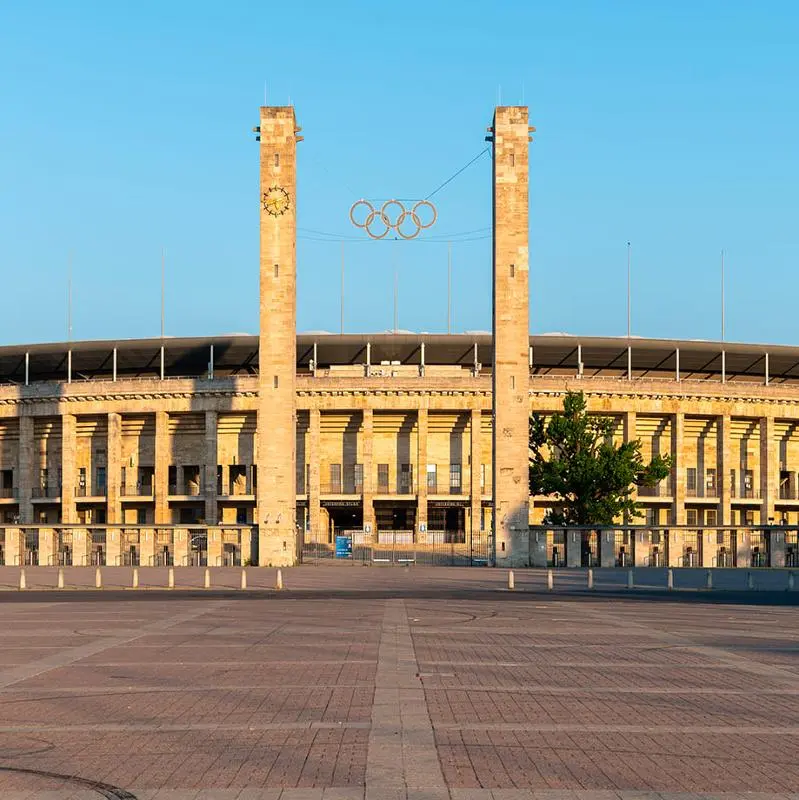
<point>135,577</point>
<point>244,579</point>
<point>790,582</point>
<point>590,579</point>
<point>750,582</point>
<point>171,578</point>
<point>22,583</point>
<point>60,578</point>
<point>709,580</point>
<point>511,580</point>
<point>98,579</point>
<point>279,582</point>
<point>207,582</point>
<point>670,579</point>
<point>630,580</point>
<point>550,580</point>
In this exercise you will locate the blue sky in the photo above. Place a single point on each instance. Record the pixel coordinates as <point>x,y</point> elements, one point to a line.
<point>125,128</point>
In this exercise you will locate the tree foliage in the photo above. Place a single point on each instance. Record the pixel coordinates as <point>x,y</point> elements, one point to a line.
<point>574,460</point>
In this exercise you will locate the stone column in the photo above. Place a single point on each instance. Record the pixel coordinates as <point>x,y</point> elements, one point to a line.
<point>162,460</point>
<point>80,547</point>
<point>47,549</point>
<point>421,469</point>
<point>315,473</point>
<point>246,545</point>
<point>114,478</point>
<point>743,548</point>
<point>678,470</point>
<point>769,469</point>
<point>25,469</point>
<point>574,541</point>
<point>607,550</point>
<point>776,549</point>
<point>14,547</point>
<point>675,547</point>
<point>723,439</point>
<point>113,547</point>
<point>211,423</point>
<point>68,448</point>
<point>629,436</point>
<point>641,548</point>
<point>709,548</point>
<point>538,549</point>
<point>475,492</point>
<point>511,331</point>
<point>367,432</point>
<point>214,547</point>
<point>180,539</point>
<point>146,547</point>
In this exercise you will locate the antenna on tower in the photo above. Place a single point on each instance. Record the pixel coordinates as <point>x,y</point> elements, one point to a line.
<point>163,287</point>
<point>69,298</point>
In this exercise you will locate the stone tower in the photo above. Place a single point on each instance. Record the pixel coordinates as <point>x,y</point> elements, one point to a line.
<point>277,344</point>
<point>510,134</point>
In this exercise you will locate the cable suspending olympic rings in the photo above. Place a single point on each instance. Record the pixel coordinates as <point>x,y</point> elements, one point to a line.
<point>393,216</point>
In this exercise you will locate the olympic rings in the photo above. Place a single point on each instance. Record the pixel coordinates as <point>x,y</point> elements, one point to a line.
<point>393,216</point>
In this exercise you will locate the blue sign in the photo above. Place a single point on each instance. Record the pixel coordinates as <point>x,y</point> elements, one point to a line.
<point>343,546</point>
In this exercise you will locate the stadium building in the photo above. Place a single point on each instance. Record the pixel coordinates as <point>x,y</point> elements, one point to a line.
<point>236,449</point>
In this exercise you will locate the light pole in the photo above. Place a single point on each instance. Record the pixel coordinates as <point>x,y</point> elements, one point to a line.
<point>629,306</point>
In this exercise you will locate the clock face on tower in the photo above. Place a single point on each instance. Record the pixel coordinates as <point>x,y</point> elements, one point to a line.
<point>276,201</point>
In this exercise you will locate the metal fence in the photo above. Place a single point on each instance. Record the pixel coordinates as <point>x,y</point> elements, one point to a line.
<point>398,548</point>
<point>752,546</point>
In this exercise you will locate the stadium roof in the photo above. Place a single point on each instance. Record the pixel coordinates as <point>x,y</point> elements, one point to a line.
<point>551,354</point>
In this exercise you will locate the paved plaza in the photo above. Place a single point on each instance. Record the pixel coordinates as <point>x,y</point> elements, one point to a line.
<point>396,683</point>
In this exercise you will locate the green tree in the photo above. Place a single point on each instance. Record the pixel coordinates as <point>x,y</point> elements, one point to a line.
<point>573,459</point>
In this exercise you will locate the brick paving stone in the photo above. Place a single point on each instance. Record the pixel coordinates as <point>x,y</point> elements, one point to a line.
<point>517,697</point>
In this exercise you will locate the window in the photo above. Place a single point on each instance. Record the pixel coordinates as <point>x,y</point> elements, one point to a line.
<point>691,480</point>
<point>482,476</point>
<point>691,516</point>
<point>406,478</point>
<point>750,518</point>
<point>719,537</point>
<point>749,483</point>
<point>100,481</point>
<point>172,479</point>
<point>335,478</point>
<point>358,472</point>
<point>276,382</point>
<point>277,159</point>
<point>710,482</point>
<point>432,478</point>
<point>513,270</point>
<point>141,516</point>
<point>382,478</point>
<point>711,517</point>
<point>43,478</point>
<point>455,478</point>
<point>651,516</point>
<point>733,488</point>
<point>277,270</point>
